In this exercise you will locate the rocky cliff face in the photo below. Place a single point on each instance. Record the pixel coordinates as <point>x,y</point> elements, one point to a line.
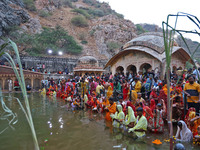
<point>111,29</point>
<point>11,14</point>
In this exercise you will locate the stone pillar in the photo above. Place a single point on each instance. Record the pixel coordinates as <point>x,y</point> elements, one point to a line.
<point>13,81</point>
<point>124,69</point>
<point>3,86</point>
<point>32,79</point>
<point>153,65</point>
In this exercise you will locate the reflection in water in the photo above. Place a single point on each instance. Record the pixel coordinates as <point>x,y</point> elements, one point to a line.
<point>66,129</point>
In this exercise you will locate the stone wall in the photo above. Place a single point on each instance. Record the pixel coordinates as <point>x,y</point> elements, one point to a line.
<point>53,64</point>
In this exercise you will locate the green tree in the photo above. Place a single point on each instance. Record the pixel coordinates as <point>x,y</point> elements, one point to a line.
<point>55,39</point>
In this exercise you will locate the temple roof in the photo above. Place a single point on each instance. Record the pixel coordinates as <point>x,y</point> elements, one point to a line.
<point>152,40</point>
<point>88,63</point>
<point>87,60</point>
<point>151,43</point>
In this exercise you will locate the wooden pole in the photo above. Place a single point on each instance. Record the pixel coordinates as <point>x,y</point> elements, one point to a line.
<point>169,110</point>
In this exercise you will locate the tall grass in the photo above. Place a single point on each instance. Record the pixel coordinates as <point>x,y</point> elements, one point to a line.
<point>20,77</point>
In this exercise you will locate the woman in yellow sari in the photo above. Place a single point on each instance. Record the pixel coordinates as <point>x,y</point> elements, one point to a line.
<point>118,117</point>
<point>133,96</point>
<point>130,119</point>
<point>109,92</point>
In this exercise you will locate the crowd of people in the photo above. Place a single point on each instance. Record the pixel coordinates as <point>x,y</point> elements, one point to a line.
<point>136,103</point>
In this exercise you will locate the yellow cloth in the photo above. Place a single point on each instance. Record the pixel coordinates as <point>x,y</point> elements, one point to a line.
<point>138,87</point>
<point>43,91</point>
<point>119,116</point>
<point>141,124</point>
<point>193,90</point>
<point>133,96</point>
<point>130,117</point>
<point>85,98</point>
<point>83,85</point>
<point>110,92</point>
<point>165,89</point>
<point>98,88</point>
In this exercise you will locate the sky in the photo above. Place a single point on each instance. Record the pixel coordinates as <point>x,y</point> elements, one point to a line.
<point>156,11</point>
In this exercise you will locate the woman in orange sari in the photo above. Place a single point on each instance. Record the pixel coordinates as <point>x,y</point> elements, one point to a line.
<point>110,110</point>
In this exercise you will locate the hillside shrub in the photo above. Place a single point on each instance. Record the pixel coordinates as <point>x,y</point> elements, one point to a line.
<point>82,36</point>
<point>79,21</point>
<point>84,42</point>
<point>96,12</point>
<point>43,13</point>
<point>90,2</point>
<point>140,29</point>
<point>112,45</point>
<point>92,32</point>
<point>30,5</point>
<point>82,12</point>
<point>67,3</point>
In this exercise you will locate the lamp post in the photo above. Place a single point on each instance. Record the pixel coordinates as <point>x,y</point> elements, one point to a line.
<point>60,53</point>
<point>50,51</point>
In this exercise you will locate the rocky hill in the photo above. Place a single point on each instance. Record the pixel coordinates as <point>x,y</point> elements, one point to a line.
<point>24,21</point>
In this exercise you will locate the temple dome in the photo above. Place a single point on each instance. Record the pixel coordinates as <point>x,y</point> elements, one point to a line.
<point>152,40</point>
<point>88,60</point>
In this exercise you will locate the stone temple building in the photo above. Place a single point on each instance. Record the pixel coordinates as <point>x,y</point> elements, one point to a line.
<point>88,65</point>
<point>145,53</point>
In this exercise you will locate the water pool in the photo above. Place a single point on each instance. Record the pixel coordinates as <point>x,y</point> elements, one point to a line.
<point>59,128</point>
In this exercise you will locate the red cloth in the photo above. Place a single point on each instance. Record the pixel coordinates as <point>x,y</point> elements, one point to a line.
<point>153,93</point>
<point>187,121</point>
<point>16,83</point>
<point>147,112</point>
<point>131,105</point>
<point>152,104</point>
<point>125,91</point>
<point>112,85</point>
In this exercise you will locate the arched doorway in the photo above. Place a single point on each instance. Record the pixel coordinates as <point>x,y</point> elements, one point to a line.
<point>6,86</point>
<point>28,81</point>
<point>36,84</point>
<point>145,67</point>
<point>180,68</point>
<point>174,69</point>
<point>119,69</point>
<point>132,69</point>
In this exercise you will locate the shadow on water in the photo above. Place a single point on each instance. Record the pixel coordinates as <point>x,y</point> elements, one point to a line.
<point>58,127</point>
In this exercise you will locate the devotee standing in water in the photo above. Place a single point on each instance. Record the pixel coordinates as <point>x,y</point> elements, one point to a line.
<point>141,124</point>
<point>110,110</point>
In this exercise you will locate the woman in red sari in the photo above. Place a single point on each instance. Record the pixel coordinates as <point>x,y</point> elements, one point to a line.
<point>125,89</point>
<point>152,105</point>
<point>156,125</point>
<point>147,113</point>
<point>191,122</point>
<point>187,118</point>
